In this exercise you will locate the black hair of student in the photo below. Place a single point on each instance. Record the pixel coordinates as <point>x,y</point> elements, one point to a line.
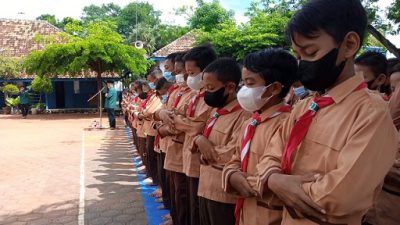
<point>179,57</point>
<point>226,70</point>
<point>139,84</point>
<point>161,83</point>
<point>203,55</point>
<point>155,73</point>
<point>376,61</point>
<point>395,68</point>
<point>335,17</point>
<point>172,57</point>
<point>273,65</point>
<point>392,63</point>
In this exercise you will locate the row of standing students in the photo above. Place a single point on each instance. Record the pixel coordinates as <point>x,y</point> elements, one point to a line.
<point>226,148</point>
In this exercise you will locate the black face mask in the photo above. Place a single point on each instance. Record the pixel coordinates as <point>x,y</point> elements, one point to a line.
<point>143,95</point>
<point>216,99</point>
<point>320,74</point>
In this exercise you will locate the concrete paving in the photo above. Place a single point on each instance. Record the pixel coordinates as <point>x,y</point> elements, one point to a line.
<point>40,173</point>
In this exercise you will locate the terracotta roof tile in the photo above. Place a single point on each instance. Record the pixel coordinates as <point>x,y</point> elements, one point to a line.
<point>16,36</point>
<point>181,44</point>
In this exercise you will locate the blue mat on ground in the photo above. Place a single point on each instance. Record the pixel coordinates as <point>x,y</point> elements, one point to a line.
<point>154,215</point>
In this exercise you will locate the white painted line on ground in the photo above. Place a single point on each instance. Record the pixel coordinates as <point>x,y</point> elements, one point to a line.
<point>81,215</point>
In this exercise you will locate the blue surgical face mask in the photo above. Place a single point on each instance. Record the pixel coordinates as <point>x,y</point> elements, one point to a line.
<point>164,99</point>
<point>152,86</point>
<point>169,77</point>
<point>300,91</point>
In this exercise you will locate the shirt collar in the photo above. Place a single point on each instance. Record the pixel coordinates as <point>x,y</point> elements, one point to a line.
<point>231,105</point>
<point>344,89</point>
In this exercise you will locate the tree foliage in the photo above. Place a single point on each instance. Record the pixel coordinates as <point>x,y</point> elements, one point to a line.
<point>42,84</point>
<point>209,16</point>
<point>99,48</point>
<point>10,67</point>
<point>394,13</point>
<point>265,29</point>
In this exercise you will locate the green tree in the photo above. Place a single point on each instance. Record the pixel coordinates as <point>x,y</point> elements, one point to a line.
<point>42,85</point>
<point>10,67</point>
<point>262,31</point>
<point>208,16</point>
<point>394,13</point>
<point>49,18</point>
<point>145,13</point>
<point>101,49</point>
<point>93,13</point>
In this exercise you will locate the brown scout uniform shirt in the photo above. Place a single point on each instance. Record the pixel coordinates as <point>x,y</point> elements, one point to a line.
<point>350,144</point>
<point>193,126</point>
<point>173,157</point>
<point>169,105</point>
<point>256,211</point>
<point>153,105</point>
<point>224,136</point>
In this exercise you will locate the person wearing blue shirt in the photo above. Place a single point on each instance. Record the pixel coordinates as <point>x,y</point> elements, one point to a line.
<point>111,103</point>
<point>24,101</point>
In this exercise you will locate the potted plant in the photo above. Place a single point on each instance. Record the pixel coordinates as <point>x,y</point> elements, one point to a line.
<point>12,103</point>
<point>41,85</point>
<point>38,108</point>
<point>9,90</point>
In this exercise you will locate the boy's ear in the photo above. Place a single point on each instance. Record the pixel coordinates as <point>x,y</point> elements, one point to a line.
<point>351,44</point>
<point>231,87</point>
<point>274,89</point>
<point>381,79</point>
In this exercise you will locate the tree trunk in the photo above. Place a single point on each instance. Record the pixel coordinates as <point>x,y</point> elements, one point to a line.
<point>389,45</point>
<point>99,86</point>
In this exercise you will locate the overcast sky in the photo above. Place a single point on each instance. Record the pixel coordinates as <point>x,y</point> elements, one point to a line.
<point>30,9</point>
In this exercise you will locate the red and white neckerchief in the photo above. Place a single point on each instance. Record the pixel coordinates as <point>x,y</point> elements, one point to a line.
<point>169,92</point>
<point>145,102</point>
<point>179,96</point>
<point>245,147</point>
<point>300,128</point>
<point>220,112</point>
<point>193,104</point>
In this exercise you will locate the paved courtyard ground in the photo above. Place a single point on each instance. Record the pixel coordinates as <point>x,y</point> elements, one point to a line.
<point>43,179</point>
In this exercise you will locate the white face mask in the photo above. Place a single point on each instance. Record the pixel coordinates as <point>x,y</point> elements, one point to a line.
<point>180,79</point>
<point>251,98</point>
<point>195,82</point>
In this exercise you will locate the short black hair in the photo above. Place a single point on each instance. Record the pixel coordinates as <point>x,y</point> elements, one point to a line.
<point>155,73</point>
<point>226,69</point>
<point>335,17</point>
<point>273,65</point>
<point>392,63</point>
<point>203,55</point>
<point>172,57</point>
<point>395,68</point>
<point>179,57</point>
<point>376,61</point>
<point>160,84</point>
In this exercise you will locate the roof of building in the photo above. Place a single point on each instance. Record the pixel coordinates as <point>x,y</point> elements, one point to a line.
<point>16,36</point>
<point>181,44</point>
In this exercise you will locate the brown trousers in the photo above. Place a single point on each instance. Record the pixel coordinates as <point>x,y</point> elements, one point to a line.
<point>193,187</point>
<point>216,213</point>
<point>162,178</point>
<point>179,198</point>
<point>151,157</point>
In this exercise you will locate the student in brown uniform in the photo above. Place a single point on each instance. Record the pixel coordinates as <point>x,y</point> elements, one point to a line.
<point>150,131</point>
<point>217,143</point>
<point>173,158</point>
<point>192,124</point>
<point>328,161</point>
<point>386,211</point>
<point>163,87</point>
<point>268,75</point>
<point>373,66</point>
<point>164,115</point>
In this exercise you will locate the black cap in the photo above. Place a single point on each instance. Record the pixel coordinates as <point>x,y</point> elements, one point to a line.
<point>110,82</point>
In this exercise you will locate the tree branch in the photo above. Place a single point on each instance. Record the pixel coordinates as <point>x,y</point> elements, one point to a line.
<point>389,45</point>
